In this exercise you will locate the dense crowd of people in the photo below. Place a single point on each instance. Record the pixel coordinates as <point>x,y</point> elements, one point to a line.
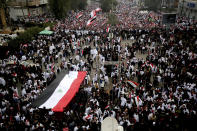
<point>4,38</point>
<point>165,95</point>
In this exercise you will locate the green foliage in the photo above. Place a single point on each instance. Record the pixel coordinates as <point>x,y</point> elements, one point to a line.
<point>24,37</point>
<point>2,3</point>
<point>153,5</point>
<point>108,5</point>
<point>60,8</point>
<point>28,35</point>
<point>30,24</point>
<point>82,4</point>
<point>41,25</point>
<point>78,4</point>
<point>51,25</point>
<point>112,19</point>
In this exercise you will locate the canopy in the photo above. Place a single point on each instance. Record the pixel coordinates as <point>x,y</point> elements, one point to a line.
<point>46,32</point>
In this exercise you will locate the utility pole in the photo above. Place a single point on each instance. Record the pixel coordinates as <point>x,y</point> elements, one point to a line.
<point>182,4</point>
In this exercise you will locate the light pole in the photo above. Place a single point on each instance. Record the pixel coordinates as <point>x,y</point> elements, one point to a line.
<point>182,3</point>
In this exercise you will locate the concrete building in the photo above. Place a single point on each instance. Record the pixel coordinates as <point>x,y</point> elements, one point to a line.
<point>169,3</point>
<point>20,8</point>
<point>188,8</point>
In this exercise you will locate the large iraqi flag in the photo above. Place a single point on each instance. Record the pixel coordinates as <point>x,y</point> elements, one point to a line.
<point>65,91</point>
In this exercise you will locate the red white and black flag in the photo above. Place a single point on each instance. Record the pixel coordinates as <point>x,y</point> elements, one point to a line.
<point>64,92</point>
<point>133,83</point>
<point>79,15</point>
<point>91,20</point>
<point>108,29</point>
<point>92,14</point>
<point>98,9</point>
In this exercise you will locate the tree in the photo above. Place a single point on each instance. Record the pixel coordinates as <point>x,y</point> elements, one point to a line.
<point>153,5</point>
<point>112,19</point>
<point>82,4</point>
<point>60,8</point>
<point>78,4</point>
<point>2,13</point>
<point>108,5</point>
<point>24,37</point>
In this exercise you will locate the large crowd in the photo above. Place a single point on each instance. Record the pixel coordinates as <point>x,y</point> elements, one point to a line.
<point>164,99</point>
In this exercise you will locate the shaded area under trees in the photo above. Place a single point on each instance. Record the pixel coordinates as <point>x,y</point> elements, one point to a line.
<point>60,8</point>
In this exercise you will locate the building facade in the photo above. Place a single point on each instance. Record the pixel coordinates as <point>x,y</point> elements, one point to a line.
<point>188,8</point>
<point>21,8</point>
<point>169,3</point>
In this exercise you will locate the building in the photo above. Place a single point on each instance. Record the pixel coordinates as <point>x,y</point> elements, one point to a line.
<point>137,2</point>
<point>20,8</point>
<point>169,3</point>
<point>188,8</point>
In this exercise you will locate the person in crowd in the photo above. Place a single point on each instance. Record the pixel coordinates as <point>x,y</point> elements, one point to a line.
<point>163,96</point>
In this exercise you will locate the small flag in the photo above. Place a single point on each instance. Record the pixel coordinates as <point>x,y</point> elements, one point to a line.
<point>98,9</point>
<point>14,74</point>
<point>107,30</point>
<point>90,21</point>
<point>92,14</point>
<point>138,101</point>
<point>132,83</point>
<point>88,117</point>
<point>153,67</point>
<point>145,64</point>
<point>79,15</point>
<point>142,88</point>
<point>52,67</point>
<point>107,107</point>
